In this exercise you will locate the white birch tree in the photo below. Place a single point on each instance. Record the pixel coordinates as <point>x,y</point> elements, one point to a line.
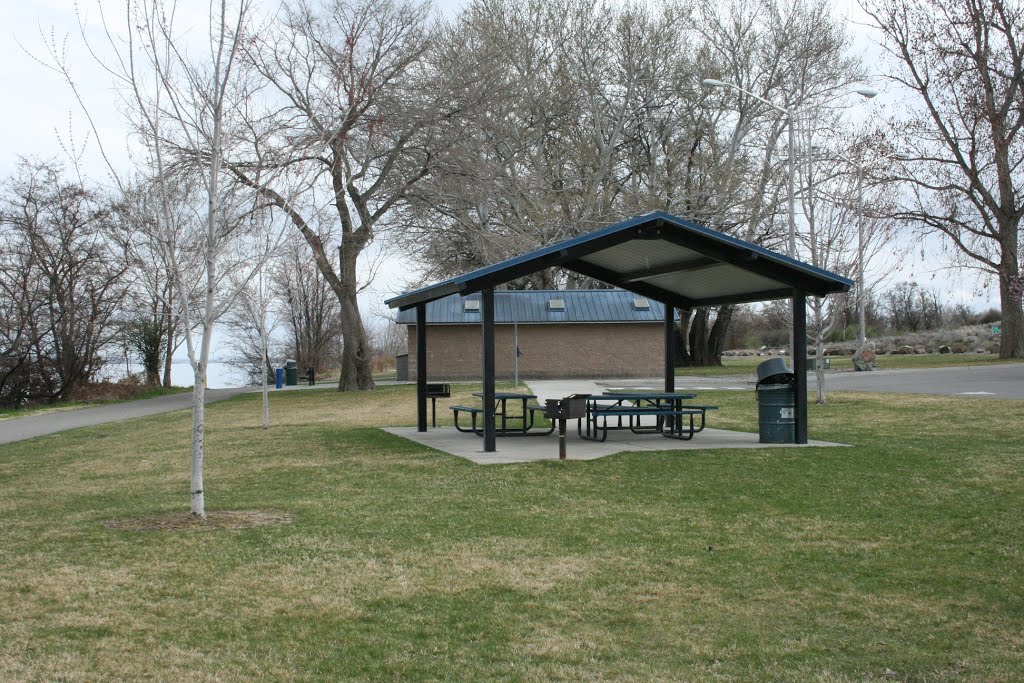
<point>833,215</point>
<point>186,100</point>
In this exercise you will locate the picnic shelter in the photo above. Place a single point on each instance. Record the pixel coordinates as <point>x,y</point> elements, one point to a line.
<point>668,259</point>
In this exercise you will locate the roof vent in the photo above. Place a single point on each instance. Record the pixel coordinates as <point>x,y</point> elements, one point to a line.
<point>556,304</point>
<point>471,305</point>
<point>641,304</point>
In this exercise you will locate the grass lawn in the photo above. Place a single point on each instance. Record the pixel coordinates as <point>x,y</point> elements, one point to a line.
<point>747,365</point>
<point>900,558</point>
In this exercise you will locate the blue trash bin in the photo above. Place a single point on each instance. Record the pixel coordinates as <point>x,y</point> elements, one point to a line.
<point>278,378</point>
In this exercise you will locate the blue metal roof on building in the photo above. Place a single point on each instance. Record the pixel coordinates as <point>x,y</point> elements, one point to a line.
<point>660,256</point>
<point>534,306</point>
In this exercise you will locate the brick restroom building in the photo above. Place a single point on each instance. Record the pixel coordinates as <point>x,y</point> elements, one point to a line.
<point>574,333</point>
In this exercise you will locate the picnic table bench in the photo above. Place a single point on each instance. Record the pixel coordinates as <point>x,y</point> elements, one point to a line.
<point>523,423</point>
<point>672,418</point>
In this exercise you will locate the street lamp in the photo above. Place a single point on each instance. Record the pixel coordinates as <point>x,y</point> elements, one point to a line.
<point>790,113</point>
<point>862,326</point>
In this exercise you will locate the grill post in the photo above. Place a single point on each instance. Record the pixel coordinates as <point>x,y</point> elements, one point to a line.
<point>572,407</point>
<point>434,392</point>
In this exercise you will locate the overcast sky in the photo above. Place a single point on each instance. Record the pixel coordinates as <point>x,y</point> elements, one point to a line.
<point>40,117</point>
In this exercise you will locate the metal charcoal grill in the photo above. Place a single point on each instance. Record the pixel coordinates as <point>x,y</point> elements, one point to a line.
<point>434,392</point>
<point>573,407</point>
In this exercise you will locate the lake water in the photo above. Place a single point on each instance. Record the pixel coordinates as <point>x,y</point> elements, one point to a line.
<point>219,376</point>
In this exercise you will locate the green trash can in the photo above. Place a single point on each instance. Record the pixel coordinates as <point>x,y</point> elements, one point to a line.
<point>291,373</point>
<point>776,403</point>
<point>776,411</point>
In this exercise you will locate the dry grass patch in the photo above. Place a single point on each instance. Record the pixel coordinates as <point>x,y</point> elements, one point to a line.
<point>217,519</point>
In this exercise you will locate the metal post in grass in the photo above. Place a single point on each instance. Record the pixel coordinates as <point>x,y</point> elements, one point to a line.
<point>421,367</point>
<point>487,315</point>
<point>670,349</point>
<point>800,363</point>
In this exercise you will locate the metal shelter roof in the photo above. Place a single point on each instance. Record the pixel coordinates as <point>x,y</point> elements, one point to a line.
<point>542,306</point>
<point>660,256</point>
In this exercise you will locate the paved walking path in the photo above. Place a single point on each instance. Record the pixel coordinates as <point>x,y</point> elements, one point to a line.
<point>1003,380</point>
<point>987,381</point>
<point>21,428</point>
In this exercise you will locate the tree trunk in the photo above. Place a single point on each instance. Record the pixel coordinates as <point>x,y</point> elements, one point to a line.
<point>698,341</point>
<point>819,368</point>
<point>198,437</point>
<point>1011,343</point>
<point>356,370</point>
<point>719,331</point>
<point>263,362</point>
<point>682,334</point>
<point>170,337</point>
<point>705,344</point>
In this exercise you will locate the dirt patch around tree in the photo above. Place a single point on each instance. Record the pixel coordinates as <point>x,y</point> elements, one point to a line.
<point>218,519</point>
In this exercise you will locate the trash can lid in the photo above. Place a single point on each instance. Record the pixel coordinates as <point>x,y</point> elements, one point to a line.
<point>771,371</point>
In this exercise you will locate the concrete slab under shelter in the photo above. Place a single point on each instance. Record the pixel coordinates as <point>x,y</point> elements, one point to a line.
<point>515,449</point>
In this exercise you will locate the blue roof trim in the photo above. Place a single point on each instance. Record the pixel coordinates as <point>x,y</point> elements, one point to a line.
<point>563,253</point>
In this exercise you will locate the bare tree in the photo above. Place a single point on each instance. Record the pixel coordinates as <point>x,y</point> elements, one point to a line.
<point>309,309</point>
<point>912,307</point>
<point>961,140</point>
<point>358,106</point>
<point>67,298</point>
<point>596,112</point>
<point>542,158</point>
<point>829,239</point>
<point>152,318</point>
<point>251,325</point>
<point>189,109</point>
<point>795,55</point>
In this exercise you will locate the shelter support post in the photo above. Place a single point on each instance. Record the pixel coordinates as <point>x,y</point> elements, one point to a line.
<point>487,316</point>
<point>670,349</point>
<point>800,363</point>
<point>421,367</point>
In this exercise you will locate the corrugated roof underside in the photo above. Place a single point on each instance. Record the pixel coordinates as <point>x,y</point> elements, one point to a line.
<point>706,280</point>
<point>532,306</point>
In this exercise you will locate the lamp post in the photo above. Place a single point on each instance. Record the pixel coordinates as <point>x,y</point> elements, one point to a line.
<point>862,326</point>
<point>790,114</point>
